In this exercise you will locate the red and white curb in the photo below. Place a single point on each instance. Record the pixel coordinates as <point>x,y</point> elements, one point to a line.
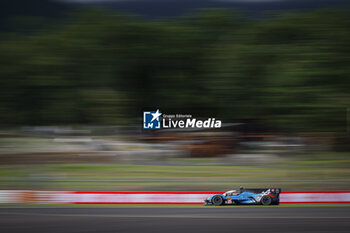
<point>77,197</point>
<point>309,197</point>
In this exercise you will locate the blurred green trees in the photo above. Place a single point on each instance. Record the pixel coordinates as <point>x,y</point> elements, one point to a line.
<point>96,67</point>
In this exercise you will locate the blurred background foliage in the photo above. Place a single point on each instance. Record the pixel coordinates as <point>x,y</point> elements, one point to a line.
<point>75,80</point>
<point>93,66</point>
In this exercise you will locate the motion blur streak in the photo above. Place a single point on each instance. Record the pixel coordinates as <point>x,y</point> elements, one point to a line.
<point>298,219</point>
<point>288,72</point>
<point>79,80</point>
<point>75,81</point>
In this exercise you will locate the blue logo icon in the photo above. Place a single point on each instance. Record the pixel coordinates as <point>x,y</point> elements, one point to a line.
<point>151,120</point>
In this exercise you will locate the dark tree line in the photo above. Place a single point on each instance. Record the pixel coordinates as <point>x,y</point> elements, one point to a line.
<point>95,67</point>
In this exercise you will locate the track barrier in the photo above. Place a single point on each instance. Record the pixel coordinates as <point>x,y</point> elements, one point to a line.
<point>79,197</point>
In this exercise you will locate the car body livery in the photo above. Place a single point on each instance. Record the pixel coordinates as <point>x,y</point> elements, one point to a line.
<point>268,196</point>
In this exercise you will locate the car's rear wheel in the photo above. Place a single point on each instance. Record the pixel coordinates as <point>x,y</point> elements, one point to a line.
<point>266,200</point>
<point>217,200</point>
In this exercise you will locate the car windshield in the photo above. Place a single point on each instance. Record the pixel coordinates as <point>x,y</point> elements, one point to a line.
<point>231,193</point>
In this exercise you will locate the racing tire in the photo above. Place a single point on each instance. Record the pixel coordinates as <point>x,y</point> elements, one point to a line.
<point>217,200</point>
<point>266,200</point>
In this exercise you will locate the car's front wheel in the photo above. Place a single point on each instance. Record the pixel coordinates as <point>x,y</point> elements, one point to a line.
<point>266,200</point>
<point>217,200</point>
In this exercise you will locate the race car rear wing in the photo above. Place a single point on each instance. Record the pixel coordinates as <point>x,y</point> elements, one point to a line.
<point>275,191</point>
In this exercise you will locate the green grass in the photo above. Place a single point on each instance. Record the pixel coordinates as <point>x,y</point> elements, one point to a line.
<point>312,174</point>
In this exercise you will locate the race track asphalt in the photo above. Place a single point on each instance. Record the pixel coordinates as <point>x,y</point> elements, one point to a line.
<point>145,220</point>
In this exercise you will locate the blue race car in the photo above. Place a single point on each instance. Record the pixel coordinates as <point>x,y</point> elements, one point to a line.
<point>246,196</point>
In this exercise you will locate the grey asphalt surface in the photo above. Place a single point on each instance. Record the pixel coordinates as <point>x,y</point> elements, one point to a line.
<point>206,219</point>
